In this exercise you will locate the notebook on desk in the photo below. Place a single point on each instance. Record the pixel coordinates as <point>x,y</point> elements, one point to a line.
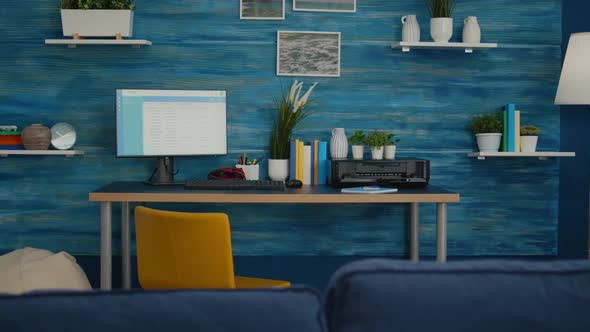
<point>368,190</point>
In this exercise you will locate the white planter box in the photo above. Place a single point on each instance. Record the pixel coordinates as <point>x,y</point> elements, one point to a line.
<point>97,23</point>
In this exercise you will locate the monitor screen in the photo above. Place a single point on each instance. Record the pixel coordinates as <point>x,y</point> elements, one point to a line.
<point>171,123</point>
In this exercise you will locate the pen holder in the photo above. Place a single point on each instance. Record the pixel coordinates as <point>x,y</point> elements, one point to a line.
<point>251,171</point>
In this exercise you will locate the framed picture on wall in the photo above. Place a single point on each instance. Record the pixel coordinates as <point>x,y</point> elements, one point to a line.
<point>262,9</point>
<point>340,6</point>
<point>308,53</point>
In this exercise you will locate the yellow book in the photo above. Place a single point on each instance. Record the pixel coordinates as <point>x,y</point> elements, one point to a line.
<point>300,169</point>
<point>517,131</point>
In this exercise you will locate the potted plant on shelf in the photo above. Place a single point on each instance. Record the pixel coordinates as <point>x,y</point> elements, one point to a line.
<point>290,111</point>
<point>97,18</point>
<point>357,141</point>
<point>377,140</point>
<point>529,135</point>
<point>441,21</point>
<point>390,146</point>
<point>488,131</point>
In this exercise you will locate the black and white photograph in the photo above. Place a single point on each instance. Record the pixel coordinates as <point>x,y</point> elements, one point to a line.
<point>262,9</point>
<point>342,6</point>
<point>308,53</point>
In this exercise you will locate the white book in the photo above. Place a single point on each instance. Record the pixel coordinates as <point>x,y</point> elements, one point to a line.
<point>368,190</point>
<point>307,164</point>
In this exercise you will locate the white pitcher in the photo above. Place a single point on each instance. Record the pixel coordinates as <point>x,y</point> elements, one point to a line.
<point>338,144</point>
<point>410,29</point>
<point>471,31</point>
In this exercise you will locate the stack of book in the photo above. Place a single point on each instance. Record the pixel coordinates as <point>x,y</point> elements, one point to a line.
<point>511,134</point>
<point>309,163</point>
<point>11,140</point>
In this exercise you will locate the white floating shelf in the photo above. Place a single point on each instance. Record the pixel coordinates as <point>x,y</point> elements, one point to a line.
<point>540,155</point>
<point>72,43</point>
<point>66,153</point>
<point>407,46</point>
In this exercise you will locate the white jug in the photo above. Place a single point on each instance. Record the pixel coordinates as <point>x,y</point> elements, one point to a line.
<point>471,31</point>
<point>410,29</point>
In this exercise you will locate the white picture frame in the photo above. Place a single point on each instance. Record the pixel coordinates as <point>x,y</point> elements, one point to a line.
<point>332,6</point>
<point>261,10</point>
<point>297,56</point>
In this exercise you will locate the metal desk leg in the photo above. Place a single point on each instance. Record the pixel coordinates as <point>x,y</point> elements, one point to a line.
<point>441,232</point>
<point>414,243</point>
<point>105,246</point>
<point>125,246</point>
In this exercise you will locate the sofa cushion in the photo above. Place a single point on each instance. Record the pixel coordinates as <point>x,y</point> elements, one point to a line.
<point>386,295</point>
<point>293,309</point>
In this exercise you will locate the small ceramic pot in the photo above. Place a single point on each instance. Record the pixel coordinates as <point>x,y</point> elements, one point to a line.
<point>377,152</point>
<point>390,152</point>
<point>278,169</point>
<point>36,137</point>
<point>357,152</point>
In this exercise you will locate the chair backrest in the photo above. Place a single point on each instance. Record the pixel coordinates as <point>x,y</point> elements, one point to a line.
<point>183,250</point>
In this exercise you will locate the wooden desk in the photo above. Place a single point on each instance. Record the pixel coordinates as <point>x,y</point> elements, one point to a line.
<point>128,192</point>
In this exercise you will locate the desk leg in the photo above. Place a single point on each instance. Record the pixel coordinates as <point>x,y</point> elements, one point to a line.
<point>441,232</point>
<point>414,243</point>
<point>125,246</point>
<point>105,246</point>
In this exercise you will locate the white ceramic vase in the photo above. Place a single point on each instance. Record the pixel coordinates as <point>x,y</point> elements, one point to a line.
<point>488,142</point>
<point>441,29</point>
<point>528,143</point>
<point>377,152</point>
<point>471,31</point>
<point>358,151</point>
<point>278,169</point>
<point>390,152</point>
<point>338,144</point>
<point>410,29</point>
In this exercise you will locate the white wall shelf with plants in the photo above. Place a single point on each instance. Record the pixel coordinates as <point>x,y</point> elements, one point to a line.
<point>468,47</point>
<point>541,155</point>
<point>66,153</point>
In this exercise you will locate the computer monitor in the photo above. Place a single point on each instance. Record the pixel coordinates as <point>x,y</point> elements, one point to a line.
<point>170,123</point>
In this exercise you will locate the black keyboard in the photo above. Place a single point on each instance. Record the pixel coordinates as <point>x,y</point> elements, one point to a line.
<point>233,184</point>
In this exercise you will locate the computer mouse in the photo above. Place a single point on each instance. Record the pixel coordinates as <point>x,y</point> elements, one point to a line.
<point>293,183</point>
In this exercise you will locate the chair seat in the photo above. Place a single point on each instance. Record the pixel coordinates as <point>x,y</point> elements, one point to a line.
<point>247,282</point>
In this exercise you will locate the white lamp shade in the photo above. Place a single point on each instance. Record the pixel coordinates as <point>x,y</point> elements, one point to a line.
<point>574,84</point>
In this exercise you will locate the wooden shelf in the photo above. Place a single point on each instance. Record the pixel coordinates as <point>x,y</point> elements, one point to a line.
<point>72,43</point>
<point>65,153</point>
<point>407,46</point>
<point>540,155</point>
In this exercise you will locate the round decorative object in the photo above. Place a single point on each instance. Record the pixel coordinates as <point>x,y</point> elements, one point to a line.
<point>63,136</point>
<point>36,137</point>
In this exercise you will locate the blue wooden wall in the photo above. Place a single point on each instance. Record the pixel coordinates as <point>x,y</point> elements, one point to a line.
<point>508,206</point>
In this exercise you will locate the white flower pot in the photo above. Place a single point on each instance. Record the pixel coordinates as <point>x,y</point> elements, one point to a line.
<point>528,143</point>
<point>377,153</point>
<point>390,152</point>
<point>489,142</point>
<point>357,152</point>
<point>97,22</point>
<point>441,29</point>
<point>278,169</point>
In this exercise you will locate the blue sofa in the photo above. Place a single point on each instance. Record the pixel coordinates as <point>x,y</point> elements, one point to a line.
<point>369,295</point>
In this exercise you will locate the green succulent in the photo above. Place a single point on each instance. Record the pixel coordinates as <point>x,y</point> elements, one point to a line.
<point>358,138</point>
<point>440,8</point>
<point>97,4</point>
<point>487,123</point>
<point>529,130</point>
<point>377,139</point>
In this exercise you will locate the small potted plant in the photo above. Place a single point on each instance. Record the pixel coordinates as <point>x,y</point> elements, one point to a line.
<point>357,141</point>
<point>97,18</point>
<point>488,131</point>
<point>441,21</point>
<point>377,140</point>
<point>529,135</point>
<point>390,146</point>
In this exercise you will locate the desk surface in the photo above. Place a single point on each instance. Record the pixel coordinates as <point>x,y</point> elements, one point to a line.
<point>140,192</point>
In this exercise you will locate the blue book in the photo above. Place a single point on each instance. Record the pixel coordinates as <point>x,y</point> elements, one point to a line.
<point>368,190</point>
<point>11,147</point>
<point>322,162</point>
<point>511,139</point>
<point>292,159</point>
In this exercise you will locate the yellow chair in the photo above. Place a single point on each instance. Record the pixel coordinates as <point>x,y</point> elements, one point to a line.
<point>188,250</point>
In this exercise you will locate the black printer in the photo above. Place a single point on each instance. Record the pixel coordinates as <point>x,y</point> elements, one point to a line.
<point>386,173</point>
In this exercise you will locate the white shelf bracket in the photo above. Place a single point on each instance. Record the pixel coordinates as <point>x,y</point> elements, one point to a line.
<point>468,50</point>
<point>405,49</point>
<point>481,158</point>
<point>543,158</point>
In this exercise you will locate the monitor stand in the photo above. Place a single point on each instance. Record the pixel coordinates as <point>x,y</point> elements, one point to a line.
<point>164,174</point>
